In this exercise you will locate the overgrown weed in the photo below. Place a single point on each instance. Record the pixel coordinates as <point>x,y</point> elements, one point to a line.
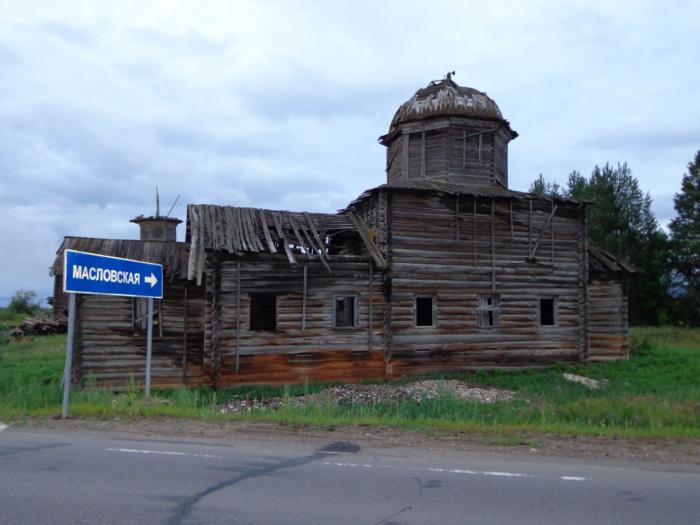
<point>656,393</point>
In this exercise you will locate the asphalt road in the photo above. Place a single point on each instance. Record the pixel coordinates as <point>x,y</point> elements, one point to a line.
<point>67,478</point>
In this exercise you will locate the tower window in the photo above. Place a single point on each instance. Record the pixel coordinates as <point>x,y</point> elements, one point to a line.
<point>424,311</point>
<point>471,148</point>
<point>263,312</point>
<point>488,312</point>
<point>548,311</point>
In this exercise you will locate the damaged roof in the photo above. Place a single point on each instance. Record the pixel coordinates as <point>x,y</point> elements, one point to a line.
<point>446,98</point>
<point>237,230</point>
<point>172,255</point>
<point>601,261</point>
<point>453,188</point>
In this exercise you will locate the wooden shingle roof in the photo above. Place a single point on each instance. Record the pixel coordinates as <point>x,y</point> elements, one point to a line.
<point>237,230</point>
<point>601,261</point>
<point>172,255</point>
<point>453,188</point>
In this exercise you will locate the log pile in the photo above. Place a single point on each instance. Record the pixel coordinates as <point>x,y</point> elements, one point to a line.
<point>53,324</point>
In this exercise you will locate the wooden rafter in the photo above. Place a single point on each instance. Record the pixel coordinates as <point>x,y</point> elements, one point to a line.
<point>266,230</point>
<point>372,248</point>
<point>280,232</point>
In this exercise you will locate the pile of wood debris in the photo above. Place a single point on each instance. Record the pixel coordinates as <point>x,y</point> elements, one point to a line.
<point>41,326</point>
<point>418,392</point>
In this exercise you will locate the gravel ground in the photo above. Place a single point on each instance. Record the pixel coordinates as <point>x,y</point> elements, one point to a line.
<point>372,394</point>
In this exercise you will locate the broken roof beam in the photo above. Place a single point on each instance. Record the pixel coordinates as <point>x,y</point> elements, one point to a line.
<point>372,248</point>
<point>316,235</point>
<point>266,231</point>
<point>319,249</point>
<point>300,227</point>
<point>297,233</point>
<point>280,232</point>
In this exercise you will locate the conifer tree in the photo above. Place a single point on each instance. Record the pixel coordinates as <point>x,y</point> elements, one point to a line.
<point>685,245</point>
<point>621,221</point>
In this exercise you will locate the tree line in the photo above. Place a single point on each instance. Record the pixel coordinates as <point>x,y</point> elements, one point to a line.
<point>666,289</point>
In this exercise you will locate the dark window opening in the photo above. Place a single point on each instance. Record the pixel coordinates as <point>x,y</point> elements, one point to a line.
<point>345,312</point>
<point>424,311</point>
<point>547,313</point>
<point>488,313</point>
<point>263,312</point>
<point>472,148</point>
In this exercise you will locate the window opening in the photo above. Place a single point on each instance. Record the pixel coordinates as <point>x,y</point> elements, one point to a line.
<point>488,312</point>
<point>548,315</point>
<point>344,312</point>
<point>263,312</point>
<point>139,315</point>
<point>424,311</point>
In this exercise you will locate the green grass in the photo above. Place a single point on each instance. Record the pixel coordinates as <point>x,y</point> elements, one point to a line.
<point>656,393</point>
<point>8,319</point>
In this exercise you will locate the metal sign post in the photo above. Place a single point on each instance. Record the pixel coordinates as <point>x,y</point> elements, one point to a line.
<point>68,368</point>
<point>90,273</point>
<point>149,348</point>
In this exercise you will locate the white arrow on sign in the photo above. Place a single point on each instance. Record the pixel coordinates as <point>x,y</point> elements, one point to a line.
<point>151,279</point>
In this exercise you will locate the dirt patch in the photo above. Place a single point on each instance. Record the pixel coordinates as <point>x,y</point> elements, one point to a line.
<point>673,451</point>
<point>418,392</point>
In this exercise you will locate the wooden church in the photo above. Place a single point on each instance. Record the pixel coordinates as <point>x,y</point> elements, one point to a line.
<point>442,268</point>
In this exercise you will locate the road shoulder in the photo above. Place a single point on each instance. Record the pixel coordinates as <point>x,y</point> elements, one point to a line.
<point>677,452</point>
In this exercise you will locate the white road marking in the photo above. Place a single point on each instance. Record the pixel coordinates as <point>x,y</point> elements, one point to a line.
<point>3,427</point>
<point>160,452</point>
<point>458,471</point>
<point>365,465</point>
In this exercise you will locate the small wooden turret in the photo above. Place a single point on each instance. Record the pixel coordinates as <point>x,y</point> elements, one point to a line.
<point>158,227</point>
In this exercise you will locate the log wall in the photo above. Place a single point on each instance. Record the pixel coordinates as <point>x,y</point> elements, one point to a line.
<point>460,150</point>
<point>110,352</point>
<point>452,248</point>
<point>608,333</point>
<point>455,248</point>
<point>59,301</point>
<point>305,346</point>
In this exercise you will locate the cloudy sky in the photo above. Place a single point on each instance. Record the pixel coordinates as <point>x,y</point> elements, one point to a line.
<point>279,104</point>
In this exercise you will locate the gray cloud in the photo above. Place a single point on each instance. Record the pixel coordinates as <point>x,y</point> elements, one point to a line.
<point>280,105</point>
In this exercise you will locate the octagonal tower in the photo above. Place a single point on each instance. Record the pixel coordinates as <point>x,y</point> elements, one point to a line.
<point>450,133</point>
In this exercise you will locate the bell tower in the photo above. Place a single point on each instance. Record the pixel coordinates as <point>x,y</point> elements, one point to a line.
<point>450,133</point>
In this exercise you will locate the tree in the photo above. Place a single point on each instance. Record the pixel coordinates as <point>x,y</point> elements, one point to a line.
<point>24,302</point>
<point>622,222</point>
<point>685,245</point>
<point>542,187</point>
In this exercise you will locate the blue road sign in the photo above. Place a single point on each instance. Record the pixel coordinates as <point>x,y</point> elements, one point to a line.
<point>100,274</point>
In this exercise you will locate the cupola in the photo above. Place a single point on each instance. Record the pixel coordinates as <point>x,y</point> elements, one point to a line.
<point>451,133</point>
